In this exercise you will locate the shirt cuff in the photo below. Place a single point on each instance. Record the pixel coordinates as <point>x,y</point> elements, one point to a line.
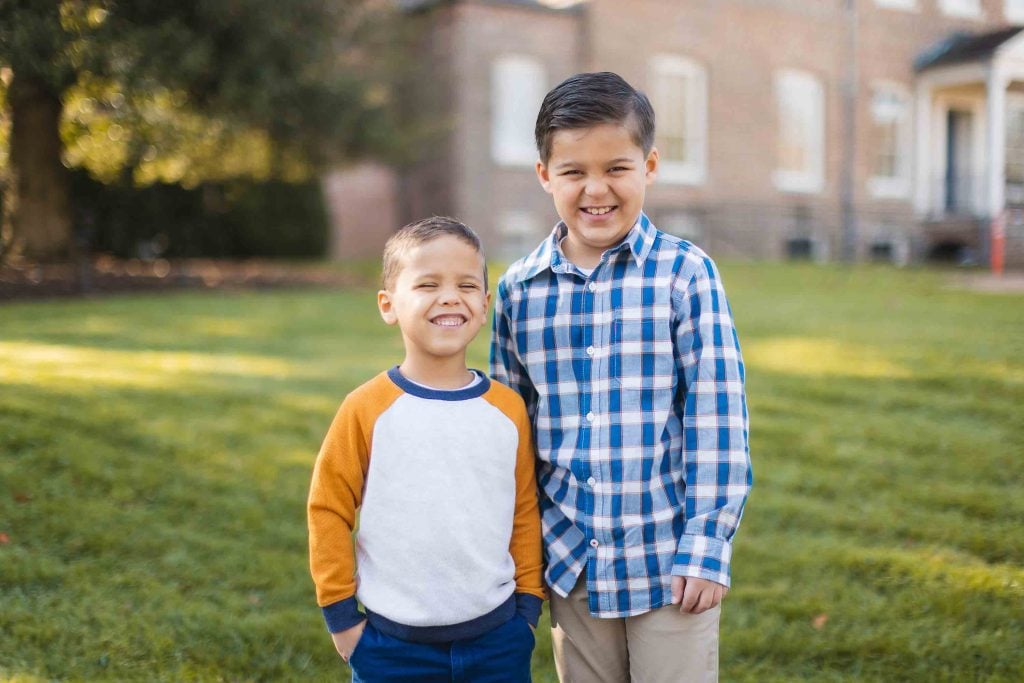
<point>529,607</point>
<point>342,615</point>
<point>703,557</point>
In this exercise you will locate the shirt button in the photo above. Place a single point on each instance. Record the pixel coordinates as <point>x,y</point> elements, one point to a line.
<point>594,543</point>
<point>592,481</point>
<point>590,350</point>
<point>590,417</point>
<point>592,287</point>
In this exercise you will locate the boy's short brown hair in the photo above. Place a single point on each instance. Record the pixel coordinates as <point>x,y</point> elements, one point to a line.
<point>421,232</point>
<point>590,99</point>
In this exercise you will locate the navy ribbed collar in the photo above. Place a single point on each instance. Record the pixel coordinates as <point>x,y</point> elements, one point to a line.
<point>410,387</point>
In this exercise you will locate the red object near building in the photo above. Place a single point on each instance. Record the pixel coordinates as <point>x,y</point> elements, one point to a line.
<point>997,250</point>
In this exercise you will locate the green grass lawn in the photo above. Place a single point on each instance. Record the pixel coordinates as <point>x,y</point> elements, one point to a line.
<point>155,453</point>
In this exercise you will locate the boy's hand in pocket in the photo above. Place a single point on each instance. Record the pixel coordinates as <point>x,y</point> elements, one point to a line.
<point>345,641</point>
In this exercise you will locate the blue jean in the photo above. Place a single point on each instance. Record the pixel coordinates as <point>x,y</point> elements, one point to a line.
<point>502,655</point>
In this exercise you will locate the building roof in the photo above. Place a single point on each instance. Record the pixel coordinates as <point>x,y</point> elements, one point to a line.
<point>961,47</point>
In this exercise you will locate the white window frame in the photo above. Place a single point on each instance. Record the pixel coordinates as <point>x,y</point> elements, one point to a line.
<point>789,83</point>
<point>518,84</point>
<point>898,186</point>
<point>908,5</point>
<point>961,8</point>
<point>1014,11</point>
<point>693,169</point>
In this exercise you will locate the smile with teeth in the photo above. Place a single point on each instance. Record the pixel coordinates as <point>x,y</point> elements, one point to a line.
<point>597,210</point>
<point>449,320</point>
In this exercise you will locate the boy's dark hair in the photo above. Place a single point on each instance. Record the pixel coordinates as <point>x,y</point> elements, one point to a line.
<point>421,232</point>
<point>590,99</point>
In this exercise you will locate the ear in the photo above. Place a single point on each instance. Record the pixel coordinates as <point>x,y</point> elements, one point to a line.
<point>543,176</point>
<point>386,307</point>
<point>651,166</point>
<point>487,298</point>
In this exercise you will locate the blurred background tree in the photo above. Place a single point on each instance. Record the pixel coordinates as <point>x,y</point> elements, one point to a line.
<point>148,91</point>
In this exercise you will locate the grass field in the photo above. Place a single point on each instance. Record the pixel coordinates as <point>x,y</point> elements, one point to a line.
<point>155,454</point>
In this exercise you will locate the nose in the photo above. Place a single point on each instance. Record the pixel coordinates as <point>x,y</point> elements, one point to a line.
<point>595,187</point>
<point>448,295</point>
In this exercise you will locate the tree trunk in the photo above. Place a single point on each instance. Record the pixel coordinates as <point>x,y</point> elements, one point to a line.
<point>40,188</point>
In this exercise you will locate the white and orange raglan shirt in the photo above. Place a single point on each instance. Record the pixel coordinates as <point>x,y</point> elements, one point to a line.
<point>448,543</point>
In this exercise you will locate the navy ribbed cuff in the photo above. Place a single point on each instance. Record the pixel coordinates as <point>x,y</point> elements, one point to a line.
<point>342,615</point>
<point>529,606</point>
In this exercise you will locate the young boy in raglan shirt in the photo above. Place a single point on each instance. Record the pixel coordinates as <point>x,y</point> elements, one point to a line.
<point>439,463</point>
<point>620,339</point>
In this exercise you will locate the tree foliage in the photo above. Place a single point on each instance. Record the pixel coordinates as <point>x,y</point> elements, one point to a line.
<point>308,72</point>
<point>191,90</point>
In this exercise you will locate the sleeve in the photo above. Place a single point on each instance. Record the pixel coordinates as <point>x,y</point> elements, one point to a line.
<point>716,456</point>
<point>505,365</point>
<point>334,496</point>
<point>525,546</point>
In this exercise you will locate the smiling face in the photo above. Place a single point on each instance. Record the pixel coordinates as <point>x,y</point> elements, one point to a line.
<point>438,300</point>
<point>598,177</point>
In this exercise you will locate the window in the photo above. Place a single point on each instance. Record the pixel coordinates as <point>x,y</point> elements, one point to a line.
<point>961,8</point>
<point>800,103</point>
<point>897,4</point>
<point>679,96</point>
<point>517,89</point>
<point>890,140</point>
<point>1015,11</point>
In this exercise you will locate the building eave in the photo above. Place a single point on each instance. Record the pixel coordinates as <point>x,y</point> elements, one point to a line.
<point>961,47</point>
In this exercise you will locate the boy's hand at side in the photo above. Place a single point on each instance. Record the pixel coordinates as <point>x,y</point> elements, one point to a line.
<point>696,595</point>
<point>345,641</point>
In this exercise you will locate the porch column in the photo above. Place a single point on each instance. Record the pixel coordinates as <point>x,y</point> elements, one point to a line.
<point>996,83</point>
<point>923,142</point>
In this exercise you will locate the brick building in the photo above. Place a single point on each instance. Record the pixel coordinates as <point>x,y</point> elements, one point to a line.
<point>785,127</point>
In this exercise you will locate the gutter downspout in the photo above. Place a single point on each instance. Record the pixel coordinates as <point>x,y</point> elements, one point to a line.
<point>848,174</point>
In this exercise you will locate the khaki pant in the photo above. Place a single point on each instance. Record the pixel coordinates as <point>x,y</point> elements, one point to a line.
<point>661,646</point>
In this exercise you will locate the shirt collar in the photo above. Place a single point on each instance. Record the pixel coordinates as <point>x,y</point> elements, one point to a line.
<point>639,240</point>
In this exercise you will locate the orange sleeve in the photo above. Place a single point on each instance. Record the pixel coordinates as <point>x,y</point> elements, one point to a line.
<point>525,546</point>
<point>336,490</point>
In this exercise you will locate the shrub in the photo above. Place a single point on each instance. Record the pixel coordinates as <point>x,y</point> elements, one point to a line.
<point>223,220</point>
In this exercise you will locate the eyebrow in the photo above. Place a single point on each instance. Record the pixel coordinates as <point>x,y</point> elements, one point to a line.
<point>438,276</point>
<point>619,160</point>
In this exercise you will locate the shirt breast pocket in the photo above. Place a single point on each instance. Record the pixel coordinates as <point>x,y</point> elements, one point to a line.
<point>642,354</point>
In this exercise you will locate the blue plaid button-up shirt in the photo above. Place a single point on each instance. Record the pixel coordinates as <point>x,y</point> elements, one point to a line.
<point>634,381</point>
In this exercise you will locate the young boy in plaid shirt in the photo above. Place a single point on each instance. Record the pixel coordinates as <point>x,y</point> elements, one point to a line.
<point>621,341</point>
